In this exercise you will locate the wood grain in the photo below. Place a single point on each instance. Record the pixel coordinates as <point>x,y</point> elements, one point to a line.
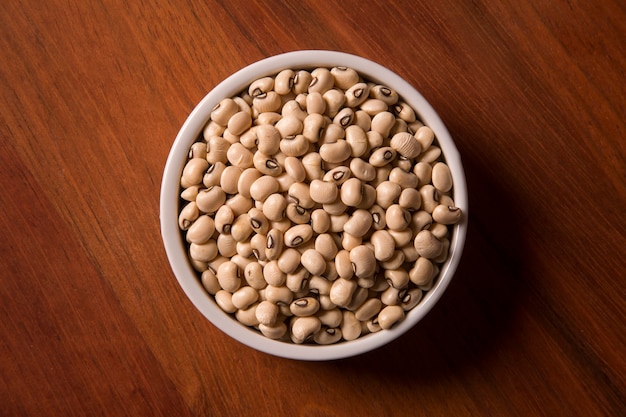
<point>92,321</point>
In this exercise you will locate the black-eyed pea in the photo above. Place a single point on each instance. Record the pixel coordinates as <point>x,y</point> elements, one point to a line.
<point>404,112</point>
<point>289,260</point>
<point>300,193</point>
<point>267,102</point>
<point>344,77</point>
<point>244,297</point>
<point>410,199</point>
<point>218,149</point>
<point>258,222</point>
<point>247,316</point>
<point>445,248</point>
<point>190,193</point>
<point>406,145</point>
<point>363,261</point>
<point>228,276</point>
<point>209,281</point>
<point>446,214</point>
<point>325,245</point>
<point>297,214</point>
<point>263,187</point>
<point>258,243</point>
<point>210,199</point>
<point>420,220</point>
<point>295,169</point>
<point>397,278</point>
<point>266,165</point>
<point>337,221</point>
<point>294,145</point>
<point>362,170</point>
<point>423,171</point>
<point>198,266</point>
<point>321,81</point>
<point>224,300</point>
<point>384,245</point>
<point>427,244</point>
<point>335,99</point>
<point>440,230</point>
<point>245,181</point>
<point>275,332</point>
<point>330,317</point>
<point>387,194</point>
<point>405,179</point>
<point>279,295</point>
<point>188,215</point>
<point>229,179</point>
<point>445,199</point>
<point>359,223</point>
<point>226,245</point>
<point>213,175</point>
<point>241,228</point>
<point>193,172</point>
<point>411,299</point>
<point>253,274</point>
<point>223,111</point>
<point>422,272</point>
<point>395,261</point>
<point>343,264</point>
<point>382,156</point>
<point>303,328</point>
<point>326,303</point>
<point>323,192</point>
<point>268,139</point>
<point>392,295</point>
<point>203,252</point>
<point>344,118</point>
<point>397,217</point>
<point>358,298</point>
<point>335,152</point>
<point>312,163</point>
<point>369,197</point>
<point>383,122</point>
<point>315,103</point>
<point>350,326</point>
<point>369,309</point>
<point>364,121</point>
<point>341,291</point>
<point>249,138</point>
<point>337,175</point>
<point>313,261</point>
<point>320,221</point>
<point>212,128</point>
<point>238,123</point>
<point>351,192</point>
<point>267,118</point>
<point>430,155</point>
<point>266,313</point>
<point>283,225</point>
<point>298,235</point>
<point>274,244</point>
<point>305,306</point>
<point>430,197</point>
<point>330,272</point>
<point>356,95</point>
<point>390,316</point>
<point>327,336</point>
<point>404,163</point>
<point>273,274</point>
<point>283,82</point>
<point>260,86</point>
<point>336,208</point>
<point>332,134</point>
<point>442,177</point>
<point>429,285</point>
<point>292,107</point>
<point>301,81</point>
<point>378,217</point>
<point>298,279</point>
<point>425,136</point>
<point>384,93</point>
<point>357,139</point>
<point>409,252</point>
<point>274,207</point>
<point>349,242</point>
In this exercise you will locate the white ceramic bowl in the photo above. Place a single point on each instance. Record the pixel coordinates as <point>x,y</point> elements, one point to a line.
<point>175,245</point>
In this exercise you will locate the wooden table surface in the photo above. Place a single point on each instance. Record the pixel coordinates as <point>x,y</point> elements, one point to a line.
<point>92,319</point>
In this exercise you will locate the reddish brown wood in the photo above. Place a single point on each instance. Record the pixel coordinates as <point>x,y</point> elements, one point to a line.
<point>92,321</point>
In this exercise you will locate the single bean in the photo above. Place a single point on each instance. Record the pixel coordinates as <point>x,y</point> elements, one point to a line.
<point>389,316</point>
<point>427,245</point>
<point>226,245</point>
<point>356,95</point>
<point>266,313</point>
<point>274,244</point>
<point>382,156</point>
<point>442,177</point>
<point>224,301</point>
<point>313,261</point>
<point>273,274</point>
<point>323,192</point>
<point>247,316</point>
<point>203,252</point>
<point>363,261</point>
<point>344,264</point>
<point>201,230</point>
<point>397,217</point>
<point>193,172</point>
<point>228,276</point>
<point>298,235</point>
<point>386,94</point>
<point>303,328</point>
<point>404,112</point>
<point>344,77</point>
<point>274,207</point>
<point>210,282</point>
<point>300,193</point>
<point>263,187</point>
<point>306,306</point>
<point>337,175</point>
<point>368,309</point>
<point>327,336</point>
<point>188,215</point>
<point>298,279</point>
<point>210,199</point>
<point>406,145</point>
<point>350,326</point>
<point>244,297</point>
<point>383,122</point>
<point>335,152</point>
<point>341,291</point>
<point>223,111</point>
<point>266,165</point>
<point>335,99</point>
<point>384,245</point>
<point>213,174</point>
<point>253,274</point>
<point>276,331</point>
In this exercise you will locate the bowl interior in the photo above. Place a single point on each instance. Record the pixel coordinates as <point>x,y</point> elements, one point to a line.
<point>169,204</point>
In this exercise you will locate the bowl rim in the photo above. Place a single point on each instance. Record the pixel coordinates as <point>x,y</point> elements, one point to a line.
<point>170,192</point>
